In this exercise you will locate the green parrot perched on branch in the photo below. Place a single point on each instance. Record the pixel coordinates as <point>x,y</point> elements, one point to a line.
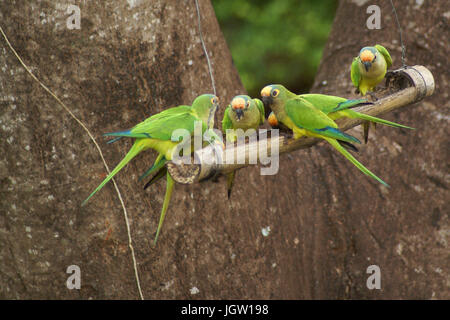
<point>370,67</point>
<point>334,107</point>
<point>242,113</point>
<point>156,133</point>
<point>304,119</point>
<point>368,70</point>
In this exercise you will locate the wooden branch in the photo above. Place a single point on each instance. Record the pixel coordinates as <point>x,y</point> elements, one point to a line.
<point>404,87</point>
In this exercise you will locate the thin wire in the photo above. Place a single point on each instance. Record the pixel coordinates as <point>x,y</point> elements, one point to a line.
<point>400,33</point>
<point>204,47</point>
<point>212,112</point>
<point>130,245</point>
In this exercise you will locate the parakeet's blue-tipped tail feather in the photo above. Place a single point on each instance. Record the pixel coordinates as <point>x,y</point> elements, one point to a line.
<point>168,195</point>
<point>337,134</point>
<point>135,149</point>
<point>114,140</point>
<point>158,164</point>
<point>355,162</point>
<point>126,133</point>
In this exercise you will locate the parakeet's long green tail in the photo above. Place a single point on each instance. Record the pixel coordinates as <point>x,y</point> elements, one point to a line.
<point>230,182</point>
<point>346,154</point>
<point>357,115</point>
<point>137,147</point>
<point>158,164</point>
<point>169,188</point>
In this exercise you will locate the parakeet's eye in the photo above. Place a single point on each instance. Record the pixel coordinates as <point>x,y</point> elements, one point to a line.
<point>247,104</point>
<point>275,92</point>
<point>215,100</point>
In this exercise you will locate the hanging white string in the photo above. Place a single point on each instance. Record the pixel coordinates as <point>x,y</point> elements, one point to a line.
<point>204,47</point>
<point>130,245</point>
<point>400,33</point>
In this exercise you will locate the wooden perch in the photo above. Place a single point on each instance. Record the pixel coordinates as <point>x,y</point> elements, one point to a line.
<point>404,87</point>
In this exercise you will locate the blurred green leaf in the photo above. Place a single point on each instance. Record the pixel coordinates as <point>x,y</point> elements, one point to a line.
<point>276,41</point>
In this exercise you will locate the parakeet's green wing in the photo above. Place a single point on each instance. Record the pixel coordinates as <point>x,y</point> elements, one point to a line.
<point>166,113</point>
<point>385,54</point>
<point>325,103</point>
<point>354,73</point>
<point>306,116</point>
<point>328,104</point>
<point>172,112</point>
<point>163,114</point>
<point>227,124</point>
<point>162,128</point>
<point>261,110</point>
<point>226,121</point>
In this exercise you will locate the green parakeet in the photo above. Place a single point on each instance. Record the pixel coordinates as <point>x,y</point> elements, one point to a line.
<point>156,133</point>
<point>304,119</point>
<point>369,68</point>
<point>334,107</point>
<point>242,113</point>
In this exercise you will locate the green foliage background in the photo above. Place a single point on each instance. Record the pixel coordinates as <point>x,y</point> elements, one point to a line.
<point>276,41</point>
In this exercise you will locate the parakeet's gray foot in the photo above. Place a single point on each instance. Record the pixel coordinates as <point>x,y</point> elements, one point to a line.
<point>372,95</point>
<point>366,125</point>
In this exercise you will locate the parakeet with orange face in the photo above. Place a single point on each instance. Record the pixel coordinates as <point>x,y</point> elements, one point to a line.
<point>304,119</point>
<point>335,107</point>
<point>242,113</point>
<point>369,68</point>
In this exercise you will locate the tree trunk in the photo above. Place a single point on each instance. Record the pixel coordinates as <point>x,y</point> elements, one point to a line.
<point>403,230</point>
<point>328,222</point>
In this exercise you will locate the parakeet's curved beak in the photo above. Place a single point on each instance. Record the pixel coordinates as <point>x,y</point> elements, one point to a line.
<point>367,57</point>
<point>367,65</point>
<point>238,105</point>
<point>239,113</point>
<point>267,101</point>
<point>266,97</point>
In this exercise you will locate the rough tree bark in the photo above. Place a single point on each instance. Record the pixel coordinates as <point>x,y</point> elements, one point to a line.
<point>328,222</point>
<point>404,230</point>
